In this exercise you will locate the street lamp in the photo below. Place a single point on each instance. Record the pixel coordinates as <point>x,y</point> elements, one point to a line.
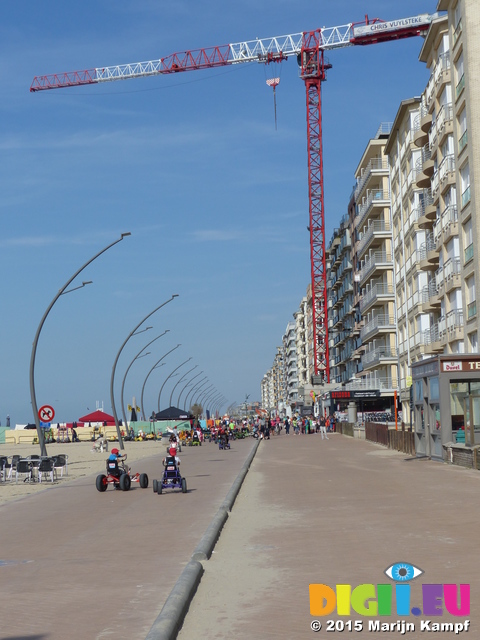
<point>178,382</point>
<point>207,398</point>
<point>203,394</point>
<point>211,400</point>
<point>167,378</point>
<point>112,397</point>
<point>40,434</point>
<point>155,366</point>
<point>187,385</point>
<point>128,369</point>
<point>196,387</point>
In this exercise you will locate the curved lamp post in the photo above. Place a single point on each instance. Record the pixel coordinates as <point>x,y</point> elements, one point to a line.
<point>189,382</point>
<point>155,366</point>
<point>197,392</point>
<point>112,397</point>
<point>178,382</point>
<point>213,402</point>
<point>209,402</point>
<point>208,398</point>
<point>167,378</point>
<point>203,394</point>
<point>122,404</point>
<point>202,383</point>
<point>40,434</point>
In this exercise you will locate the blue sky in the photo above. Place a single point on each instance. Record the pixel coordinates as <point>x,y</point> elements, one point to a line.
<point>215,198</point>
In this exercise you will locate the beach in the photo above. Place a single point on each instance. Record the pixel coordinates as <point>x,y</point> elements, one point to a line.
<point>82,461</point>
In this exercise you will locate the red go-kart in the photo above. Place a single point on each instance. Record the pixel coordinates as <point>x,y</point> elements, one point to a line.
<point>120,477</point>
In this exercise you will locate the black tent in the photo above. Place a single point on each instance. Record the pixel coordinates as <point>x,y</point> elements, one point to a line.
<point>173,413</point>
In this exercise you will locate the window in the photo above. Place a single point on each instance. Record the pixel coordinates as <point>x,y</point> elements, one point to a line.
<point>468,241</point>
<point>473,342</point>
<point>465,184</point>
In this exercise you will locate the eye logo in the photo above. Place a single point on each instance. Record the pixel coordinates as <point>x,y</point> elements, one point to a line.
<point>403,572</point>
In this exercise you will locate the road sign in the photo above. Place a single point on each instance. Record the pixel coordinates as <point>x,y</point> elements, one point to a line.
<point>46,413</point>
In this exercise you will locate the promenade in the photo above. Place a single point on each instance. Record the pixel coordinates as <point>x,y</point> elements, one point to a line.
<point>339,511</point>
<point>83,565</point>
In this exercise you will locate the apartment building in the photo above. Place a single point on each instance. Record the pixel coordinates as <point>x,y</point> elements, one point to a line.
<point>374,272</point>
<point>340,305</point>
<point>415,264</point>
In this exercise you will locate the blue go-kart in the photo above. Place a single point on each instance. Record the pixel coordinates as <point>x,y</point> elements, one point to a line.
<point>171,478</point>
<point>223,442</point>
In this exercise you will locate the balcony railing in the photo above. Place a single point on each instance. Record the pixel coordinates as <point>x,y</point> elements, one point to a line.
<point>451,268</point>
<point>384,383</point>
<point>375,292</point>
<point>378,354</point>
<point>457,32</point>
<point>375,196</point>
<point>381,321</point>
<point>446,166</point>
<point>375,164</point>
<point>444,115</point>
<point>374,226</point>
<point>449,216</point>
<point>383,258</point>
<point>443,64</point>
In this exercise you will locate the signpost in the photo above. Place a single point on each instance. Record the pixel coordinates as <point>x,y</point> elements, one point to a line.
<point>46,413</point>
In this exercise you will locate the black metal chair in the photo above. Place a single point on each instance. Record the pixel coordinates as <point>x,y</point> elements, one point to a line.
<point>3,468</point>
<point>23,467</point>
<point>11,466</point>
<point>61,462</point>
<point>46,467</point>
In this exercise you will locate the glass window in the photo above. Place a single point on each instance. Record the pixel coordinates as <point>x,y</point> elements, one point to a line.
<point>437,426</point>
<point>418,391</point>
<point>434,389</point>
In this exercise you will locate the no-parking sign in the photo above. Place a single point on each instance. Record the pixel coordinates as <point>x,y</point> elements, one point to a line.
<point>46,413</point>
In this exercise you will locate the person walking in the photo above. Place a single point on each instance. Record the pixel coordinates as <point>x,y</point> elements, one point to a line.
<point>323,428</point>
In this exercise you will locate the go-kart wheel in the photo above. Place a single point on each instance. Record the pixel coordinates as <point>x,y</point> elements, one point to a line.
<point>125,482</point>
<point>155,486</point>
<point>101,483</point>
<point>143,480</point>
<point>159,488</point>
<point>184,485</point>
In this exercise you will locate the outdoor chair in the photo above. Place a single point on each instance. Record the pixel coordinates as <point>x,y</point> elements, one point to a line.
<point>3,469</point>
<point>46,467</point>
<point>23,467</point>
<point>11,466</point>
<point>35,462</point>
<point>61,462</point>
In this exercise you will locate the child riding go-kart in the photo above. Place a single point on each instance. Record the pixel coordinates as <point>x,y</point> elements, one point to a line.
<point>171,478</point>
<point>119,474</point>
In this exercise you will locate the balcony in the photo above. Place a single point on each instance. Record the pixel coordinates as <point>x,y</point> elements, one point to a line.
<point>378,293</point>
<point>441,73</point>
<point>375,198</point>
<point>384,383</point>
<point>376,165</point>
<point>443,126</point>
<point>378,355</point>
<point>378,324</point>
<point>427,254</point>
<point>378,260</point>
<point>375,229</point>
<point>446,171</point>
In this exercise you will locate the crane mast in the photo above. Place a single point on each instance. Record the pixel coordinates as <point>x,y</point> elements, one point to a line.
<point>309,48</point>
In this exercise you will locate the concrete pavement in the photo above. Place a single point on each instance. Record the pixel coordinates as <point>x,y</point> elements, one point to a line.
<point>335,512</point>
<point>76,564</point>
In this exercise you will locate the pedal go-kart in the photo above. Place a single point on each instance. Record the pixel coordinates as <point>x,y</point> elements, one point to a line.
<point>171,478</point>
<point>120,477</point>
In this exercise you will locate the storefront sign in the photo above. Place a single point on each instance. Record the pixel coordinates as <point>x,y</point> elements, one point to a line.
<point>461,365</point>
<point>452,366</point>
<point>354,395</point>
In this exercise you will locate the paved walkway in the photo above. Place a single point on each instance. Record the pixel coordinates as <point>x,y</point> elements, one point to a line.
<point>76,564</point>
<point>335,512</point>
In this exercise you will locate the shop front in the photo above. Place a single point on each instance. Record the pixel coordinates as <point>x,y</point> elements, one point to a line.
<point>446,401</point>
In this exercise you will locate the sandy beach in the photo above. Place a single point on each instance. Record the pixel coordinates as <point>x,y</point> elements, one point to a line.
<point>82,461</point>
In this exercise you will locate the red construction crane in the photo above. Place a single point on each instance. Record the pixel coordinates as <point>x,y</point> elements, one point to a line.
<point>309,47</point>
